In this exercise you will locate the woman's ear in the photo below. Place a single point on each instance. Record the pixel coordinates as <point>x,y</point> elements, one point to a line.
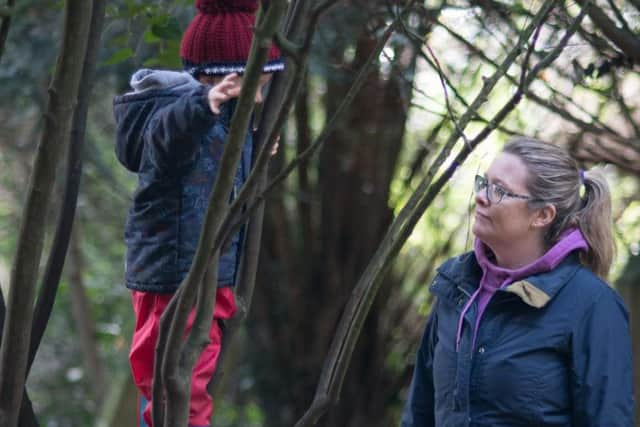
<point>544,216</point>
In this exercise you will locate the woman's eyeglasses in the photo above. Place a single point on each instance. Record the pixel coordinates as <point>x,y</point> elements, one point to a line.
<point>494,192</point>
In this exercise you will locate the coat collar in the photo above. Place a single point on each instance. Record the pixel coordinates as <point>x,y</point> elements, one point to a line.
<point>464,273</point>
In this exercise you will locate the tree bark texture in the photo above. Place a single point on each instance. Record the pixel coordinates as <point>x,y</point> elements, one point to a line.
<point>63,94</point>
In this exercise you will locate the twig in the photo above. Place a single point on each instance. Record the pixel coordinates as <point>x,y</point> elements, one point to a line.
<point>443,83</point>
<point>563,112</point>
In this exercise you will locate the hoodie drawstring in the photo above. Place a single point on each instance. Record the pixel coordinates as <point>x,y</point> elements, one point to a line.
<point>462,314</point>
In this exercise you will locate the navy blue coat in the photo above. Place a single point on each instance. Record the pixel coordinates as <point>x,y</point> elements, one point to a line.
<point>551,350</point>
<point>167,134</point>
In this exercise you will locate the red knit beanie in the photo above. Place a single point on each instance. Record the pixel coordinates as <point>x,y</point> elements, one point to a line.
<point>218,40</point>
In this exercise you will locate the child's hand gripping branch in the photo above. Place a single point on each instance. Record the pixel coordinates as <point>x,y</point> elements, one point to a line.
<point>229,87</point>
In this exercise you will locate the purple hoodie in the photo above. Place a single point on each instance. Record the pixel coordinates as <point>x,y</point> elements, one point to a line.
<point>495,277</point>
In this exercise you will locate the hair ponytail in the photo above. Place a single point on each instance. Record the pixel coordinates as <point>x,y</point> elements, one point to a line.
<point>594,220</point>
<point>554,177</point>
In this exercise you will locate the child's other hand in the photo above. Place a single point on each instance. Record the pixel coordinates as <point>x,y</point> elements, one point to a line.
<point>274,148</point>
<point>229,87</point>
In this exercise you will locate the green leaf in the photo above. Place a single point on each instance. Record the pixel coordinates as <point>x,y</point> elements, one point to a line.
<point>120,40</point>
<point>119,56</point>
<point>150,38</point>
<point>168,57</point>
<point>167,29</point>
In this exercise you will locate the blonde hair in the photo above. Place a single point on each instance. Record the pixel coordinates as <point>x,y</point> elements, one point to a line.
<point>554,177</point>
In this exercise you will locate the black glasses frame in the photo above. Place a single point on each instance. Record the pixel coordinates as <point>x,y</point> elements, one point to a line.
<point>481,183</point>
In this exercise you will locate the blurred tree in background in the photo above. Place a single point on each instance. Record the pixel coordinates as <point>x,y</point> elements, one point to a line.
<point>325,222</point>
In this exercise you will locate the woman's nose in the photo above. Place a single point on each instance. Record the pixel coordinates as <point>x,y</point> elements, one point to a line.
<point>481,198</point>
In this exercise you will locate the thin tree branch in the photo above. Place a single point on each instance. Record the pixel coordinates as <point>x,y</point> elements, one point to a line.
<point>596,127</point>
<point>619,16</point>
<point>636,4</point>
<point>627,42</point>
<point>346,101</point>
<point>442,77</point>
<point>624,108</point>
<point>238,218</point>
<point>450,86</point>
<point>289,48</point>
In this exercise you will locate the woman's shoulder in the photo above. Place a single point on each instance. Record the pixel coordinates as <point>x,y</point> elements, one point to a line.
<point>458,264</point>
<point>461,271</point>
<point>586,290</point>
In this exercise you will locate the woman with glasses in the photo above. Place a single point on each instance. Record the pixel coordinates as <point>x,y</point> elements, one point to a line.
<point>524,330</point>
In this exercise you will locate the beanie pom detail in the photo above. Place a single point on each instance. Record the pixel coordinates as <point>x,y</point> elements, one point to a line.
<point>224,6</point>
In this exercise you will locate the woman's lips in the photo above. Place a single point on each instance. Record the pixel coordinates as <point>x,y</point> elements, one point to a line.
<point>482,216</point>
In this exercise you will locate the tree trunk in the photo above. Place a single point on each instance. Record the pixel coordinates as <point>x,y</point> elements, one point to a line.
<point>62,98</point>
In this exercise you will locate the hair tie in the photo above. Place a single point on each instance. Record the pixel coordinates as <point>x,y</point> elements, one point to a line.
<point>581,173</point>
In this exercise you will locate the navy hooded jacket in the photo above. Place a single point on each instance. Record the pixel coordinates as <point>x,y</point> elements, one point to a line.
<point>167,134</point>
<point>553,349</point>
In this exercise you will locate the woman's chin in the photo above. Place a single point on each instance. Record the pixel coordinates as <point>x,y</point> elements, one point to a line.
<point>480,231</point>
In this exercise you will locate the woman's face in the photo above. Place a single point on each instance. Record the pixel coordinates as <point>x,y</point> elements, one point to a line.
<point>500,224</point>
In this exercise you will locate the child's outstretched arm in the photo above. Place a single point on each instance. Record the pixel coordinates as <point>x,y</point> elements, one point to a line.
<point>174,129</point>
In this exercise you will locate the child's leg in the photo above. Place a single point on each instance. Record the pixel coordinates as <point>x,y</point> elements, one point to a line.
<point>148,308</point>
<point>201,406</point>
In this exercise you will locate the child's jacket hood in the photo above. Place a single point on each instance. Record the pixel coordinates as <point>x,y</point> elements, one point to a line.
<point>152,90</point>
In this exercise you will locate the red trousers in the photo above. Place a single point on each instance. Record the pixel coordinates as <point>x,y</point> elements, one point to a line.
<point>148,307</point>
